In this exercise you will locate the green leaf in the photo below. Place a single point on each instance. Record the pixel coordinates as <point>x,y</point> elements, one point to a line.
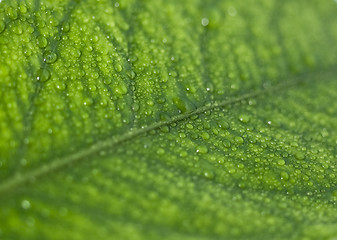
<point>168,119</point>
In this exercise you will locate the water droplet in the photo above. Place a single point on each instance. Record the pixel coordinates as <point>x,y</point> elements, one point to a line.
<point>121,89</point>
<point>49,57</point>
<point>205,136</point>
<point>281,162</point>
<point>118,67</point>
<point>202,149</point>
<point>232,11</point>
<point>43,75</point>
<point>173,74</point>
<point>284,176</point>
<point>165,129</point>
<point>244,118</point>
<point>60,85</point>
<point>209,174</point>
<point>65,27</point>
<point>23,8</point>
<point>41,41</point>
<point>299,155</point>
<point>226,143</point>
<point>107,81</point>
<point>132,58</point>
<point>2,26</point>
<point>25,204</point>
<point>135,107</point>
<point>223,124</point>
<point>160,151</point>
<point>238,139</point>
<point>204,22</point>
<point>92,87</point>
<point>131,74</point>
<point>88,102</point>
<point>180,104</point>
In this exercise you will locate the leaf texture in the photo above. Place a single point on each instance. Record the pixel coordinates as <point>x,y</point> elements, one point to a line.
<point>168,119</point>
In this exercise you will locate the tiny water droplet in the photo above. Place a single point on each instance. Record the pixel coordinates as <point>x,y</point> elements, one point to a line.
<point>2,26</point>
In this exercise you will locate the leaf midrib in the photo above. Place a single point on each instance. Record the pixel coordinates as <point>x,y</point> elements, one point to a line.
<point>81,154</point>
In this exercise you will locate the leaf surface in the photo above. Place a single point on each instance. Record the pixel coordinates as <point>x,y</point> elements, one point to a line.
<point>168,119</point>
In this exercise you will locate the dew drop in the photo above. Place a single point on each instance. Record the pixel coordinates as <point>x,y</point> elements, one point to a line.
<point>244,118</point>
<point>49,57</point>
<point>204,22</point>
<point>180,104</point>
<point>165,129</point>
<point>25,204</point>
<point>92,87</point>
<point>41,41</point>
<point>205,136</point>
<point>118,67</point>
<point>131,74</point>
<point>121,89</point>
<point>65,27</point>
<point>43,75</point>
<point>284,176</point>
<point>23,8</point>
<point>160,151</point>
<point>107,81</point>
<point>209,174</point>
<point>132,58</point>
<point>238,139</point>
<point>2,26</point>
<point>60,85</point>
<point>226,143</point>
<point>223,124</point>
<point>202,149</point>
<point>281,162</point>
<point>135,107</point>
<point>232,11</point>
<point>299,155</point>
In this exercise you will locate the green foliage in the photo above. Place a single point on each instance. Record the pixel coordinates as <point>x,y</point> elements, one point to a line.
<point>168,119</point>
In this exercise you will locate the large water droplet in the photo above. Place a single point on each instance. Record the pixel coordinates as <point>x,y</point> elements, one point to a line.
<point>49,57</point>
<point>41,41</point>
<point>25,204</point>
<point>204,22</point>
<point>43,75</point>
